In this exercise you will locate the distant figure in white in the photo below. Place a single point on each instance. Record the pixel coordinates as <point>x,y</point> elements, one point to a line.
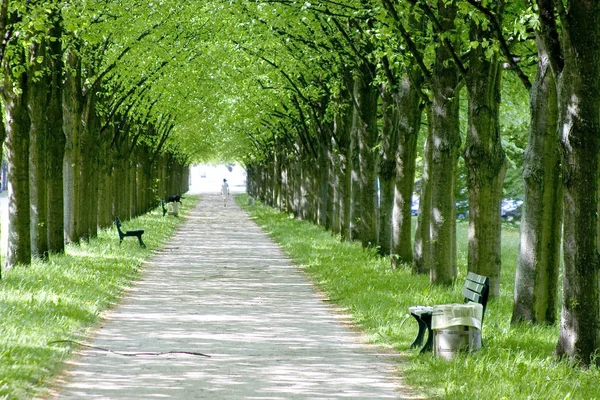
<point>225,192</point>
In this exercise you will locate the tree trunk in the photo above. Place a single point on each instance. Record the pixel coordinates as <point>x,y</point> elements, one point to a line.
<point>409,125</point>
<point>421,263</point>
<point>276,182</point>
<point>332,221</point>
<point>323,179</point>
<point>2,138</point>
<point>347,171</point>
<point>579,124</point>
<point>304,189</point>
<point>89,145</point>
<point>2,180</point>
<point>37,92</point>
<point>387,167</point>
<point>445,149</point>
<point>56,145</point>
<point>343,133</point>
<point>536,281</point>
<point>72,112</point>
<point>367,97</point>
<point>139,178</point>
<point>17,148</point>
<point>355,191</point>
<point>485,162</point>
<point>336,189</point>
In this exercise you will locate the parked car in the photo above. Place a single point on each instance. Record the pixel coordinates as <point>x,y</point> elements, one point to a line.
<point>510,209</point>
<point>462,209</point>
<point>414,207</point>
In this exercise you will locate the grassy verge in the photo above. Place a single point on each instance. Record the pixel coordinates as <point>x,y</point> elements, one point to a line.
<point>516,362</point>
<point>60,299</point>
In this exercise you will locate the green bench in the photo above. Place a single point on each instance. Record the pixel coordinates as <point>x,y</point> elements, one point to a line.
<point>476,289</point>
<point>136,232</point>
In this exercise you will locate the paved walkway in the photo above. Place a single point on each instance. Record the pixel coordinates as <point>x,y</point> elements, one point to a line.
<point>223,288</point>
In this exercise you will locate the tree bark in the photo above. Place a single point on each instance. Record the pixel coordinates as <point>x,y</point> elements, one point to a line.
<point>536,281</point>
<point>14,94</point>
<point>354,166</point>
<point>366,96</point>
<point>445,149</point>
<point>276,165</point>
<point>88,186</point>
<point>579,124</point>
<point>2,186</point>
<point>72,113</point>
<point>485,162</point>
<point>343,132</point>
<point>421,263</point>
<point>409,125</point>
<point>37,91</point>
<point>387,167</point>
<point>56,144</point>
<point>323,161</point>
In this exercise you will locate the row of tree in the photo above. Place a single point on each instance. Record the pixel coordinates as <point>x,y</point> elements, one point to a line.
<point>81,146</point>
<point>358,80</point>
<point>325,103</point>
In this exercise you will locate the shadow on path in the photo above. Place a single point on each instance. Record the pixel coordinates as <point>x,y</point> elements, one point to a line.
<point>223,288</point>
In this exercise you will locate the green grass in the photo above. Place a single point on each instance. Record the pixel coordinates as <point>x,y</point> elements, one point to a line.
<point>62,298</point>
<point>515,362</point>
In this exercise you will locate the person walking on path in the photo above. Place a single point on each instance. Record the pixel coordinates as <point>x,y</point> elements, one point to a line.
<point>225,192</point>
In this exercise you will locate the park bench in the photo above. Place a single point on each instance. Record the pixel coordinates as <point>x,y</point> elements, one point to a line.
<point>136,232</point>
<point>476,289</point>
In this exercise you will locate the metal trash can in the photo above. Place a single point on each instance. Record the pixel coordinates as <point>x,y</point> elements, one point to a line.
<point>456,328</point>
<point>174,208</point>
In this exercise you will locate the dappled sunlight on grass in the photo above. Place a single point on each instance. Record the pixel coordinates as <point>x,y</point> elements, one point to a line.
<point>61,298</point>
<point>516,362</point>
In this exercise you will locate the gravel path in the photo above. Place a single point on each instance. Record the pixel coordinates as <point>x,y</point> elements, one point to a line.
<point>223,288</point>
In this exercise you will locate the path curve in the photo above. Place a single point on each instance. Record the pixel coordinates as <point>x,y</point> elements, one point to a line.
<point>223,288</point>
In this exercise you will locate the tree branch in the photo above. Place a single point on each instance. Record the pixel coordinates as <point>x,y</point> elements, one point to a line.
<point>412,47</point>
<point>549,34</point>
<point>438,30</point>
<point>503,44</point>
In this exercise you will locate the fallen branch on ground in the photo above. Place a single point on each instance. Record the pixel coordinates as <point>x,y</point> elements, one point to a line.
<point>129,354</point>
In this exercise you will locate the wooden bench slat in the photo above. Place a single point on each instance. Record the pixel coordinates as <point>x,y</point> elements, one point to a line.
<point>471,276</point>
<point>473,296</point>
<point>474,286</point>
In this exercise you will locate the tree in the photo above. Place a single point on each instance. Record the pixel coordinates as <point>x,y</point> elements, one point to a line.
<point>443,81</point>
<point>538,260</point>
<point>56,136</point>
<point>14,97</point>
<point>536,281</point>
<point>571,36</point>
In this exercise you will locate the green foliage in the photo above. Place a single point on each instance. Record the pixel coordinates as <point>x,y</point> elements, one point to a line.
<point>229,79</point>
<point>63,298</point>
<point>515,362</point>
<point>515,119</point>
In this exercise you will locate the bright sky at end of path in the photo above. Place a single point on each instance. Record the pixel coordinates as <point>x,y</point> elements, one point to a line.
<point>206,178</point>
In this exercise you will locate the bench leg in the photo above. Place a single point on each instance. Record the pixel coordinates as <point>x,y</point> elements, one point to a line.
<point>429,343</point>
<point>141,242</point>
<point>418,342</point>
